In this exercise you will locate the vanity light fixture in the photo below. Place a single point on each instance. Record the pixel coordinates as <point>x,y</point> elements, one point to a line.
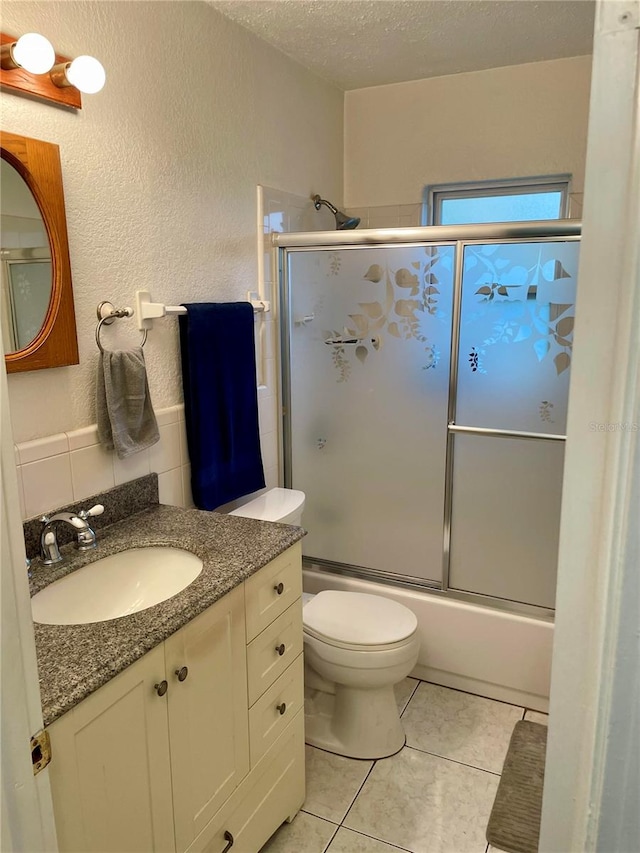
<point>31,51</point>
<point>83,72</point>
<point>67,77</point>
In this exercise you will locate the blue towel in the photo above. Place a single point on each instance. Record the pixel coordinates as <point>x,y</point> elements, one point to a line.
<point>221,401</point>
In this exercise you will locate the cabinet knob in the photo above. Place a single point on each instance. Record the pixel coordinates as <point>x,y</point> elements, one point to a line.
<point>229,838</point>
<point>280,649</point>
<point>182,673</point>
<point>161,688</point>
<point>282,708</point>
<point>279,588</point>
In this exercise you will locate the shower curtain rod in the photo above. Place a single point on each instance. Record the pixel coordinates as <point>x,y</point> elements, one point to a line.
<point>550,228</point>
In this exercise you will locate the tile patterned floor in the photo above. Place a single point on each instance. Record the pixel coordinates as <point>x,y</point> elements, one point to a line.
<point>434,796</point>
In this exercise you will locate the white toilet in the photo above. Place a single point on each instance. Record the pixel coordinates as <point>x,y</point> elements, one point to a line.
<point>356,648</point>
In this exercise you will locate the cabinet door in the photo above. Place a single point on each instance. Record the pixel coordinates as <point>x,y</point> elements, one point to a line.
<point>208,717</point>
<point>110,769</point>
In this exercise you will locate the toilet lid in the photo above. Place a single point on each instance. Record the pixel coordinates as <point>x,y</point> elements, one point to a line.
<point>358,619</point>
<point>274,505</point>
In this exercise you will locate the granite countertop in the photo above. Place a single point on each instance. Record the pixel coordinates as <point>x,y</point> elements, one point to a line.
<point>74,660</point>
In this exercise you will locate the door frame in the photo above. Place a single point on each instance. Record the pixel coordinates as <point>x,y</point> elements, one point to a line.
<point>27,809</point>
<point>595,681</point>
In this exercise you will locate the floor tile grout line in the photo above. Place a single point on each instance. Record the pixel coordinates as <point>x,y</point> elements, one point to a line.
<point>341,824</point>
<point>413,693</point>
<point>330,842</point>
<point>313,814</point>
<point>524,708</point>
<point>478,695</point>
<point>375,838</point>
<point>454,760</point>
<point>364,781</point>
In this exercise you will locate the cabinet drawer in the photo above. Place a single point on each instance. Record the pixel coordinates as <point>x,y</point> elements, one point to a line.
<point>273,792</point>
<point>273,650</point>
<point>270,591</point>
<point>275,708</point>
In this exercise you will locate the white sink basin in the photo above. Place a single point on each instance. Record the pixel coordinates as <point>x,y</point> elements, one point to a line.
<point>116,586</point>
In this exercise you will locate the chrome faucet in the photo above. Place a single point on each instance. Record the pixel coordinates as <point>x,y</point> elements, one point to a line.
<point>85,535</point>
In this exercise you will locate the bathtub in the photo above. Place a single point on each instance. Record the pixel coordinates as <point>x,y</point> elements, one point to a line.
<point>481,650</point>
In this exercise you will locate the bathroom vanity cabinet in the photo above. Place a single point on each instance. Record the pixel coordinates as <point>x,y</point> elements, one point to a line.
<point>198,745</point>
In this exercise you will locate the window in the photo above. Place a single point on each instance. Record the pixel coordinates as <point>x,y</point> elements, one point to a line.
<point>517,200</point>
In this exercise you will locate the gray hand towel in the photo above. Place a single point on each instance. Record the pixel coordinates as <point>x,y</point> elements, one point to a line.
<point>126,420</point>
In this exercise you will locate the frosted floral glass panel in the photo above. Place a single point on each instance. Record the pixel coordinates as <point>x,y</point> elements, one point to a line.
<point>30,286</point>
<point>370,344</point>
<point>516,335</point>
<point>506,517</point>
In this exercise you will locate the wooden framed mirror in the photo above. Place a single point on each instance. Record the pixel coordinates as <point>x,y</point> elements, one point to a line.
<point>39,326</point>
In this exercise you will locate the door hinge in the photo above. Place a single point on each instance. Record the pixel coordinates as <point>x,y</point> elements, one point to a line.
<point>40,751</point>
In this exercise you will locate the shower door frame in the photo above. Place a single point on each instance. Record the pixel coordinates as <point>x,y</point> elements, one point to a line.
<point>458,236</point>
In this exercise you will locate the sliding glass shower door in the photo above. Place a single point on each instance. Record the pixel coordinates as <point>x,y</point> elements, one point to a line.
<point>370,342</point>
<point>425,388</point>
<point>508,418</point>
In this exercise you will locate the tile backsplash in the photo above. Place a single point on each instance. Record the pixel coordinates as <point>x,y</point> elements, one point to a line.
<point>119,503</point>
<point>61,469</point>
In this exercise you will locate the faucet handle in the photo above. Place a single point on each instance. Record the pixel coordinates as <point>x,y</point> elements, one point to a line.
<point>84,514</point>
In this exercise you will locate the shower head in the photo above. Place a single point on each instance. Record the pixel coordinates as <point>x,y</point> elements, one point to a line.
<point>346,223</point>
<point>343,222</point>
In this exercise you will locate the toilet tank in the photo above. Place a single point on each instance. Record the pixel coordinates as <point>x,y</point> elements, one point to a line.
<point>282,505</point>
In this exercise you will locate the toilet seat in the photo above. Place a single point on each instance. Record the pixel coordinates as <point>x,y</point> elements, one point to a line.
<point>358,621</point>
<point>359,663</point>
<point>353,647</point>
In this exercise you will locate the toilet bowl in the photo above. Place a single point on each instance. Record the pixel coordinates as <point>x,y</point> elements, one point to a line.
<point>356,648</point>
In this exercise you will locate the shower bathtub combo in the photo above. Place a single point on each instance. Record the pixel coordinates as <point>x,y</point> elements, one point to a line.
<point>425,379</point>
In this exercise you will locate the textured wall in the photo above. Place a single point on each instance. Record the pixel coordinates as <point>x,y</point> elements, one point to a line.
<point>160,172</point>
<point>506,122</point>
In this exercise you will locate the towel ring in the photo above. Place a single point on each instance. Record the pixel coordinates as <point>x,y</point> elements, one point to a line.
<point>107,314</point>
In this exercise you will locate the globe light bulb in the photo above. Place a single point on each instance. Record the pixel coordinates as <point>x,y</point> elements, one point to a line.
<point>34,53</point>
<point>86,74</point>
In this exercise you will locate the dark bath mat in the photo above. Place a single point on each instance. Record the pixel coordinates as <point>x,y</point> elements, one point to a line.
<point>514,824</point>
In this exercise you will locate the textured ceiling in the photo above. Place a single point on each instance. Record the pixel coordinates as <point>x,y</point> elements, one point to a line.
<point>360,43</point>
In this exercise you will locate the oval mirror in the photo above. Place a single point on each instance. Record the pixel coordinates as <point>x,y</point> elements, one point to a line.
<point>25,265</point>
<point>38,318</point>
